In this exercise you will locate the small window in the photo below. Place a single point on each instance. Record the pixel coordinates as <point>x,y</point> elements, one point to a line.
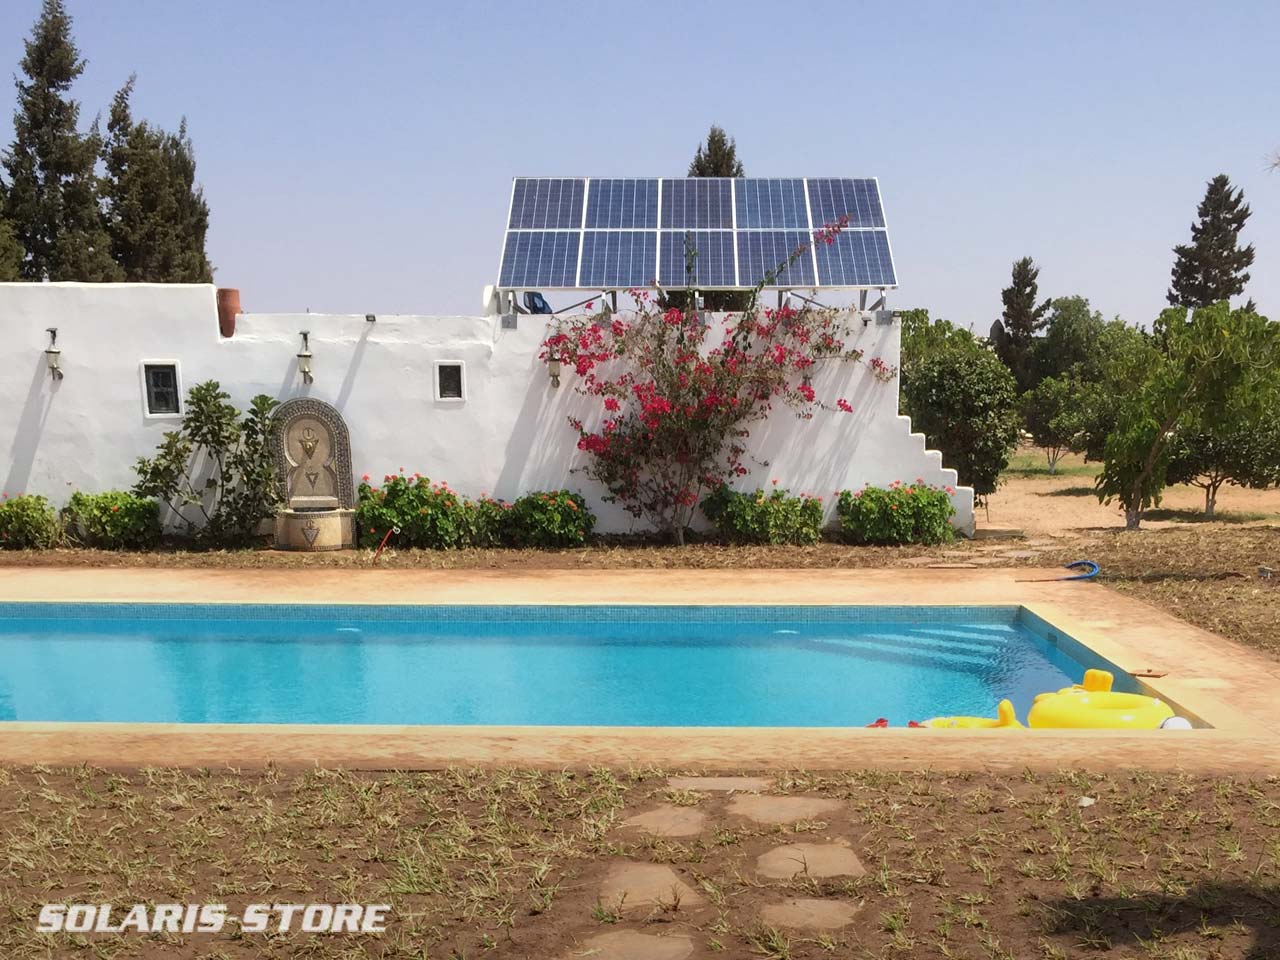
<point>162,388</point>
<point>450,384</point>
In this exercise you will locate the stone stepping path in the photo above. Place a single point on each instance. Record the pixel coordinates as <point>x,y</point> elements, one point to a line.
<point>635,886</point>
<point>631,945</point>
<point>743,784</point>
<point>668,820</point>
<point>810,859</point>
<point>808,914</point>
<point>767,809</point>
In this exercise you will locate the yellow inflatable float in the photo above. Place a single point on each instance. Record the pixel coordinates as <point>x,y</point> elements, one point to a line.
<point>1092,705</point>
<point>1005,718</point>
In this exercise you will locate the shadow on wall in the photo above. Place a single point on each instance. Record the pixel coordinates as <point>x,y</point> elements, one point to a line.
<point>30,427</point>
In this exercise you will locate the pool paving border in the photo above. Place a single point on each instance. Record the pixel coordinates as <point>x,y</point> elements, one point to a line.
<point>1229,686</point>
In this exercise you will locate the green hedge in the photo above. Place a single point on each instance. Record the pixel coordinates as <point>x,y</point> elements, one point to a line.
<point>917,513</point>
<point>115,520</point>
<point>431,516</point>
<point>773,517</point>
<point>28,522</point>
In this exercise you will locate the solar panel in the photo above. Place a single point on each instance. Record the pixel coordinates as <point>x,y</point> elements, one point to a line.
<point>623,204</point>
<point>582,233</point>
<point>618,259</point>
<point>713,265</point>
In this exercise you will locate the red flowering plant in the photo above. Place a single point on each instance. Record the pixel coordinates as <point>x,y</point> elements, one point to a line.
<point>678,389</point>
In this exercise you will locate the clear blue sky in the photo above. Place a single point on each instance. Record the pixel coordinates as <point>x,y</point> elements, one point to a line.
<point>358,157</point>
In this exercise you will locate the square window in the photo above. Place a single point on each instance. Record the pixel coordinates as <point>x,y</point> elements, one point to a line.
<point>449,384</point>
<point>162,388</point>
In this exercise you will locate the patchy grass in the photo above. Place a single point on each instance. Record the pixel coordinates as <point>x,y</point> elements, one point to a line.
<point>1032,462</point>
<point>506,864</point>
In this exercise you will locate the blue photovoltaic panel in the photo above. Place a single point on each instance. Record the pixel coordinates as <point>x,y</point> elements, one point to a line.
<point>760,251</point>
<point>829,200</point>
<point>546,203</point>
<point>619,258</point>
<point>857,258</point>
<point>540,258</point>
<point>713,267</point>
<point>697,203</point>
<point>629,204</point>
<point>774,204</point>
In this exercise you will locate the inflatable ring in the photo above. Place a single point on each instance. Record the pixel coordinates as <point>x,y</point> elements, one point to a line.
<point>1005,719</point>
<point>1092,705</point>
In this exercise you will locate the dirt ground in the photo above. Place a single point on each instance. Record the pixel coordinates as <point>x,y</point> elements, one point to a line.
<point>521,864</point>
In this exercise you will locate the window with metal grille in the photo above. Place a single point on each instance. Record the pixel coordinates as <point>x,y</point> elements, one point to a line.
<point>162,388</point>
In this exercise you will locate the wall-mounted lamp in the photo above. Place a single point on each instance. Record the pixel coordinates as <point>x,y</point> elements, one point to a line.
<point>52,355</point>
<point>370,317</point>
<point>553,370</point>
<point>304,358</point>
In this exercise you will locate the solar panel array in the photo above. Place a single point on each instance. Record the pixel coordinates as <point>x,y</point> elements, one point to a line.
<point>604,234</point>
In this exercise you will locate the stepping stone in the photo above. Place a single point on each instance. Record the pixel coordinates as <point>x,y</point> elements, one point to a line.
<point>629,886</point>
<point>808,914</point>
<point>668,820</point>
<point>745,784</point>
<point>1020,554</point>
<point>766,809</point>
<point>631,945</point>
<point>810,859</point>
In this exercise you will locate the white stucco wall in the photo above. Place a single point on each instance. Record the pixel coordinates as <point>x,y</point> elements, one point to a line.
<point>509,436</point>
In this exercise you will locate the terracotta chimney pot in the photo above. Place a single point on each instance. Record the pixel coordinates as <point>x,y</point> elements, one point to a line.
<point>228,307</point>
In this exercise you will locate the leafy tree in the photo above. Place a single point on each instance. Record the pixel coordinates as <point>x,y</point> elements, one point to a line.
<point>10,250</point>
<point>240,489</point>
<point>156,215</point>
<point>1013,333</point>
<point>1244,451</point>
<point>1072,342</point>
<point>961,397</point>
<point>1054,417</point>
<point>52,199</point>
<point>718,157</point>
<point>1213,266</point>
<point>1220,359</point>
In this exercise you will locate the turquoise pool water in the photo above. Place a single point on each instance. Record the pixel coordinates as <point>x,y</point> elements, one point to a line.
<point>593,665</point>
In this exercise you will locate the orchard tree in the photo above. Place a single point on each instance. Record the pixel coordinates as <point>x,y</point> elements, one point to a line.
<point>1072,342</point>
<point>1243,450</point>
<point>1213,266</point>
<point>156,214</point>
<point>1054,417</point>
<point>1219,359</point>
<point>718,157</point>
<point>1012,335</point>
<point>52,196</point>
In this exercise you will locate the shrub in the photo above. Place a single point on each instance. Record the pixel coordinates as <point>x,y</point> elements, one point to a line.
<point>775,517</point>
<point>115,520</point>
<point>901,514</point>
<point>554,518</point>
<point>433,517</point>
<point>28,522</point>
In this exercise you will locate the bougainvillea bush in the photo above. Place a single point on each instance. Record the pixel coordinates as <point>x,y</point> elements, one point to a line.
<point>759,517</point>
<point>27,522</point>
<point>114,520</point>
<point>678,390</point>
<point>431,516</point>
<point>903,513</point>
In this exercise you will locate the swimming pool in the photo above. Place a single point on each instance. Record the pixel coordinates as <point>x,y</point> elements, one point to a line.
<point>591,665</point>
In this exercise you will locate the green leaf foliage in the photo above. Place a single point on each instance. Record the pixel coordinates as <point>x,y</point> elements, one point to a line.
<point>1213,266</point>
<point>718,157</point>
<point>1055,417</point>
<point>760,518</point>
<point>114,520</point>
<point>1012,335</point>
<point>28,522</point>
<point>900,514</point>
<point>962,398</point>
<point>1240,448</point>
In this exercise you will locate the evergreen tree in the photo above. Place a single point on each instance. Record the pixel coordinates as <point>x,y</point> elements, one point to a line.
<point>52,199</point>
<point>1213,266</point>
<point>718,157</point>
<point>10,248</point>
<point>1012,334</point>
<point>156,215</point>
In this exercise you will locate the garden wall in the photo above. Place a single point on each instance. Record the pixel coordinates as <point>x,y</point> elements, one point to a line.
<point>508,435</point>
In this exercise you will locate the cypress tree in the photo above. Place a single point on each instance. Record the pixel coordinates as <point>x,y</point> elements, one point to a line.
<point>53,193</point>
<point>1213,266</point>
<point>156,215</point>
<point>718,157</point>
<point>1012,334</point>
<point>10,248</point>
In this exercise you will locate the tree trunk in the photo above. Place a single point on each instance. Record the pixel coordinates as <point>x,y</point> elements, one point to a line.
<point>1132,517</point>
<point>1210,499</point>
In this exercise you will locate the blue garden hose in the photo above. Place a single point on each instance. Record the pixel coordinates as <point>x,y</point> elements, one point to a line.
<point>1088,574</point>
